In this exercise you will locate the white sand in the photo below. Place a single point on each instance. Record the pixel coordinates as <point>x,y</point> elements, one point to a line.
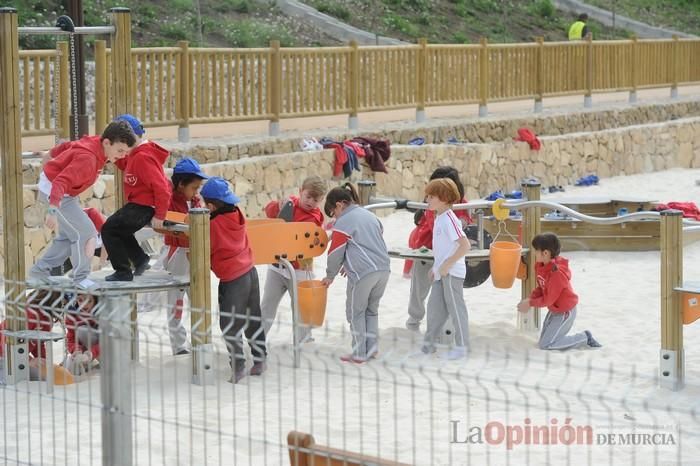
<point>400,407</point>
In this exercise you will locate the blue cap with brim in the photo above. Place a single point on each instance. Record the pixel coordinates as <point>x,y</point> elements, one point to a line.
<point>217,188</point>
<point>188,166</point>
<point>134,122</point>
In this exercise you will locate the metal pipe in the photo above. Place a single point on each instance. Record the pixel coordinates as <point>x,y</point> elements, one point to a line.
<point>381,205</point>
<point>692,228</point>
<point>82,30</point>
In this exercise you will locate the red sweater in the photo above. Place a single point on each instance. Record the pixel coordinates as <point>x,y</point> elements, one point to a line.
<point>96,217</point>
<point>554,289</point>
<point>36,320</point>
<point>231,256</point>
<point>178,203</point>
<point>144,179</point>
<point>73,321</point>
<point>74,166</point>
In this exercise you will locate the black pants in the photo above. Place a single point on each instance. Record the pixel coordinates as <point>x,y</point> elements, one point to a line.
<point>118,236</point>
<point>239,314</point>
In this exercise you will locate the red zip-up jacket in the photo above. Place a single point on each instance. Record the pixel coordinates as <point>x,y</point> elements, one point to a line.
<point>231,256</point>
<point>36,320</point>
<point>554,289</point>
<point>73,321</point>
<point>144,179</point>
<point>178,203</point>
<point>74,166</point>
<point>272,210</point>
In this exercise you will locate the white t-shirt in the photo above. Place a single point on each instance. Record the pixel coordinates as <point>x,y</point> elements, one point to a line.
<point>447,229</point>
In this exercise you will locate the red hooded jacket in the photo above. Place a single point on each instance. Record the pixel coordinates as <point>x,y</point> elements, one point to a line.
<point>178,203</point>
<point>96,217</point>
<point>73,321</point>
<point>36,320</point>
<point>231,256</point>
<point>74,166</point>
<point>144,179</point>
<point>554,289</point>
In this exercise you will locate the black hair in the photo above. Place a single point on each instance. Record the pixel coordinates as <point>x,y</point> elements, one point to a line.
<point>220,207</point>
<point>47,302</point>
<point>183,179</point>
<point>547,242</point>
<point>442,172</point>
<point>583,17</point>
<point>345,193</point>
<point>451,173</point>
<point>119,131</point>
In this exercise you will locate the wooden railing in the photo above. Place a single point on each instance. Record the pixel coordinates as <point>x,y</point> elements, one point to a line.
<point>44,97</point>
<point>183,86</point>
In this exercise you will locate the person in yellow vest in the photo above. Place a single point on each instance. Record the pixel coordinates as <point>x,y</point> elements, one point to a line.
<point>579,30</point>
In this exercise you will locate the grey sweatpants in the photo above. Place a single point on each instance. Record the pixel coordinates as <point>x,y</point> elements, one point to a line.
<point>447,300</point>
<point>74,231</point>
<point>276,285</point>
<point>420,287</point>
<point>362,312</point>
<point>554,332</point>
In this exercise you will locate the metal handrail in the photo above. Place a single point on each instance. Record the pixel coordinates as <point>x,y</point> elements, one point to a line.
<point>80,30</point>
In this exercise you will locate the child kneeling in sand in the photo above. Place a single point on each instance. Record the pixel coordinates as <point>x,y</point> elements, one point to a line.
<point>554,291</point>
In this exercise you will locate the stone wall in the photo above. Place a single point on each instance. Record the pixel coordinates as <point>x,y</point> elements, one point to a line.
<point>484,168</point>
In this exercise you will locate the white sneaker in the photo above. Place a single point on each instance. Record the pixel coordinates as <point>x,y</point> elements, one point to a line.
<point>458,352</point>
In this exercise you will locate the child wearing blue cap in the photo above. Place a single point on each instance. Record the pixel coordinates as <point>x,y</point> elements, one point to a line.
<point>147,194</point>
<point>239,288</point>
<point>186,180</point>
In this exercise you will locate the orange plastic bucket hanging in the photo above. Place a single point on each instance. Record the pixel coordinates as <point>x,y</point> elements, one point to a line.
<point>312,302</point>
<point>504,256</point>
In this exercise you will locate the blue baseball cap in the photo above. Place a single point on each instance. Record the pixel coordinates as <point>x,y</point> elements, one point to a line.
<point>134,122</point>
<point>190,167</point>
<point>218,189</point>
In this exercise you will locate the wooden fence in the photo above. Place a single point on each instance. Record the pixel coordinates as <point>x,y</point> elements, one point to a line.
<point>183,86</point>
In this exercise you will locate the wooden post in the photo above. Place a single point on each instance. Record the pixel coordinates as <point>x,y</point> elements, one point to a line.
<point>275,87</point>
<point>63,101</point>
<point>531,225</point>
<point>484,77</point>
<point>539,85</point>
<point>588,98</point>
<point>200,294</point>
<point>121,80</point>
<point>634,71</point>
<point>354,85</point>
<point>182,100</point>
<point>101,102</point>
<point>675,77</point>
<point>422,80</point>
<point>366,191</point>
<point>13,212</point>
<point>672,357</point>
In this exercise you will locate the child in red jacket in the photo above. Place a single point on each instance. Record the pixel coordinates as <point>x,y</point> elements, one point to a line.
<point>278,282</point>
<point>43,310</point>
<point>554,291</point>
<point>72,168</point>
<point>82,335</point>
<point>186,181</point>
<point>422,236</point>
<point>239,289</point>
<point>147,192</point>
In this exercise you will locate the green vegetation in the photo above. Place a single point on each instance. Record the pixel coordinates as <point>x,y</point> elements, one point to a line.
<point>681,15</point>
<point>460,21</point>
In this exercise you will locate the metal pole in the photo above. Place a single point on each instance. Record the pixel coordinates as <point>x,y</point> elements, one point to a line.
<point>75,11</point>
<point>294,294</point>
<point>115,343</point>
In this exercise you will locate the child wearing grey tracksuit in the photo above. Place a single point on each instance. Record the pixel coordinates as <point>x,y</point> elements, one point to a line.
<point>358,247</point>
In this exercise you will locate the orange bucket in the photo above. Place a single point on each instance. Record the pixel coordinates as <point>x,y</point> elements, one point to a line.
<point>312,302</point>
<point>504,258</point>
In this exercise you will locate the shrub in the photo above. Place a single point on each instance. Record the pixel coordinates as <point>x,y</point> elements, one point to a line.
<point>542,8</point>
<point>333,9</point>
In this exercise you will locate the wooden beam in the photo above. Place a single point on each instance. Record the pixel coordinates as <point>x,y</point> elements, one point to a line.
<point>672,365</point>
<point>122,98</point>
<point>530,228</point>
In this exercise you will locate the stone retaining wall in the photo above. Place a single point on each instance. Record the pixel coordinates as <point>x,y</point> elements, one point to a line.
<point>484,168</point>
